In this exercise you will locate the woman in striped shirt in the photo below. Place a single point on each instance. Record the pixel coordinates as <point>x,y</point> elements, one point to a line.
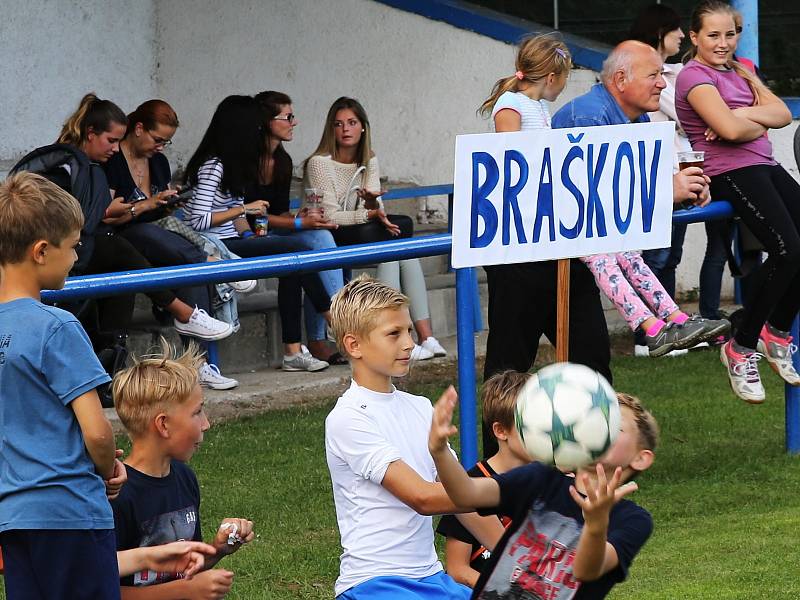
<point>223,166</point>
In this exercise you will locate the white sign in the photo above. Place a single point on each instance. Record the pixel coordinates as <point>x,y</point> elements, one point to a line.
<point>561,193</point>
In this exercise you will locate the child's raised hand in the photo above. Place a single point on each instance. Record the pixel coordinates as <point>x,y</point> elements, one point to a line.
<point>118,477</point>
<point>442,424</point>
<point>232,533</point>
<point>601,498</point>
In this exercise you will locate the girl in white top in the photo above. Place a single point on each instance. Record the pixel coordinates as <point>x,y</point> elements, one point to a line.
<point>344,170</point>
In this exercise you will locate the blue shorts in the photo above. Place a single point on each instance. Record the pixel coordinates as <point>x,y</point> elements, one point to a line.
<point>60,564</point>
<point>434,587</point>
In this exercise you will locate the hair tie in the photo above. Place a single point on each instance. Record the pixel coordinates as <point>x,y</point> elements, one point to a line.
<point>561,53</point>
<point>519,75</point>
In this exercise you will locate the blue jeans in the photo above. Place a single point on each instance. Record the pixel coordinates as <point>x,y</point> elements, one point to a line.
<point>317,239</point>
<point>663,262</point>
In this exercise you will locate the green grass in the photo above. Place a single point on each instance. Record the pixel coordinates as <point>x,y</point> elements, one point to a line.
<point>722,492</point>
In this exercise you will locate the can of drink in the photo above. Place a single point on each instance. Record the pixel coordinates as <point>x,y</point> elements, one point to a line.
<point>260,226</point>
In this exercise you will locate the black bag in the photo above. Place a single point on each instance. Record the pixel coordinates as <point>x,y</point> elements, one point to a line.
<point>113,357</point>
<point>70,168</point>
<point>750,250</point>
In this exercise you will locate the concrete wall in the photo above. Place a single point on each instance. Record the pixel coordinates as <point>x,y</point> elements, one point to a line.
<point>54,51</point>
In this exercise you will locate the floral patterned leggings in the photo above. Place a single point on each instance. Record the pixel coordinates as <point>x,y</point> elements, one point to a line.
<point>631,286</point>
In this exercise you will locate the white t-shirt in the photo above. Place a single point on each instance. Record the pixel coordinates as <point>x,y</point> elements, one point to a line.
<point>364,433</point>
<point>534,113</point>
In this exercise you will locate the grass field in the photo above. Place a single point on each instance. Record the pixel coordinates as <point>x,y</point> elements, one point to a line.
<point>722,492</point>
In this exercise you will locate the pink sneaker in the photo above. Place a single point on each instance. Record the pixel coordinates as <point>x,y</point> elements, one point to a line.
<point>778,352</point>
<point>743,373</point>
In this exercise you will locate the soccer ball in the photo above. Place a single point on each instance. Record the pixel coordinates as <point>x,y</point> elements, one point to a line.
<point>567,415</point>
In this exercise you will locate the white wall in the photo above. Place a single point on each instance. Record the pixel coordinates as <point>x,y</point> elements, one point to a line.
<point>54,51</point>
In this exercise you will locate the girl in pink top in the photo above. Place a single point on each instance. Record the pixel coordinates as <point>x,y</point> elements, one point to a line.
<point>726,111</point>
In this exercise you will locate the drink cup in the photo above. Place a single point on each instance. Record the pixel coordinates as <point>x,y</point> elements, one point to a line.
<point>313,200</point>
<point>690,159</point>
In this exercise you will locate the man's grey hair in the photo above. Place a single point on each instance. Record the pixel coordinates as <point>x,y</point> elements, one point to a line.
<point>619,59</point>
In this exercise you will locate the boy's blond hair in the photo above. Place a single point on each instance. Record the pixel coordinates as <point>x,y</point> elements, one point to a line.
<point>646,423</point>
<point>154,384</point>
<point>33,208</point>
<point>499,397</point>
<point>355,308</point>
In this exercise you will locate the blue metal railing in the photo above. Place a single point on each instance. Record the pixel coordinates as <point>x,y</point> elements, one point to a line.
<point>92,286</point>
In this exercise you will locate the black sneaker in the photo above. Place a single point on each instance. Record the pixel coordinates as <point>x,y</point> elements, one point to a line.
<point>673,337</point>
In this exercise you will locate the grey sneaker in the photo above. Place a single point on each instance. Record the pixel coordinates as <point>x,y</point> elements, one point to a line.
<point>712,328</point>
<point>673,337</point>
<point>303,361</point>
<point>778,351</point>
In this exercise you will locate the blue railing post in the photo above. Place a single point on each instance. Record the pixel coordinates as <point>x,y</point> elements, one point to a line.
<point>467,391</point>
<point>793,401</point>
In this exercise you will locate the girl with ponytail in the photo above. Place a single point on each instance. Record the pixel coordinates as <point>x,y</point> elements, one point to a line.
<point>726,112</point>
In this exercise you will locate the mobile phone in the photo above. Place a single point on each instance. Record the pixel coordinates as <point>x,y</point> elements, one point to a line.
<point>136,195</point>
<point>183,196</point>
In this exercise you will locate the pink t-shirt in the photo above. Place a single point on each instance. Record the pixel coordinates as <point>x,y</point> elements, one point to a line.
<point>721,156</point>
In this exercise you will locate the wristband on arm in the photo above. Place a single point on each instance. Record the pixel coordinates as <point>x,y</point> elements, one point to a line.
<point>298,222</point>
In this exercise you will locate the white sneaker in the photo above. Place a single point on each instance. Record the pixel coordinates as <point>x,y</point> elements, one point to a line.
<point>212,378</point>
<point>203,326</point>
<point>303,361</point>
<point>743,373</point>
<point>420,353</point>
<point>432,345</point>
<point>248,285</point>
<point>643,351</point>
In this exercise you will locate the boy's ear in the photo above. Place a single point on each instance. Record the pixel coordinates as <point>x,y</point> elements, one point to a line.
<point>500,432</point>
<point>160,424</point>
<point>39,251</point>
<point>352,345</point>
<point>643,460</point>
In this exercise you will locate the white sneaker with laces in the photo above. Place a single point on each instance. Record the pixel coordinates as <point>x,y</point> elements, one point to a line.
<point>778,352</point>
<point>248,285</point>
<point>743,373</point>
<point>420,353</point>
<point>432,345</point>
<point>303,361</point>
<point>203,326</point>
<point>212,378</point>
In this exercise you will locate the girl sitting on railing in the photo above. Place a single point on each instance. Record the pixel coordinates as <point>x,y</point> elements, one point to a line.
<point>344,171</point>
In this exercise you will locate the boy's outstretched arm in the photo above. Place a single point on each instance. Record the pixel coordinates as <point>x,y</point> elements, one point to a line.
<point>97,433</point>
<point>595,556</point>
<point>464,490</point>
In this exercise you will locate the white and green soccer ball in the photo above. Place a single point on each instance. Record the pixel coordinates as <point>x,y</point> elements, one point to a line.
<point>567,416</point>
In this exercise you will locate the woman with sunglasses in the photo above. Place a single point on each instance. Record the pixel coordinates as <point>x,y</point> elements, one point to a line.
<point>311,227</point>
<point>223,167</point>
<point>345,171</point>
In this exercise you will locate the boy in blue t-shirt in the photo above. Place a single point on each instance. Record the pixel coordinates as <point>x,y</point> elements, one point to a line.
<point>57,453</point>
<point>570,538</point>
<point>160,402</point>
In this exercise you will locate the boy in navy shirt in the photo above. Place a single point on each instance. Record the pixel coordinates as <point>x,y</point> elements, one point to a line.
<point>569,538</point>
<point>160,402</point>
<point>57,451</point>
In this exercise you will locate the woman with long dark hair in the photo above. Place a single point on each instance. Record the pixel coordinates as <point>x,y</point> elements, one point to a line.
<point>345,171</point>
<point>312,227</point>
<point>223,167</point>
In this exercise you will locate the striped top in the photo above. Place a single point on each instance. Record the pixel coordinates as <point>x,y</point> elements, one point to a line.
<point>208,198</point>
<point>534,113</point>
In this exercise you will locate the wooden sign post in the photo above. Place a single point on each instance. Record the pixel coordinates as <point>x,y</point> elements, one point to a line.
<point>562,311</point>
